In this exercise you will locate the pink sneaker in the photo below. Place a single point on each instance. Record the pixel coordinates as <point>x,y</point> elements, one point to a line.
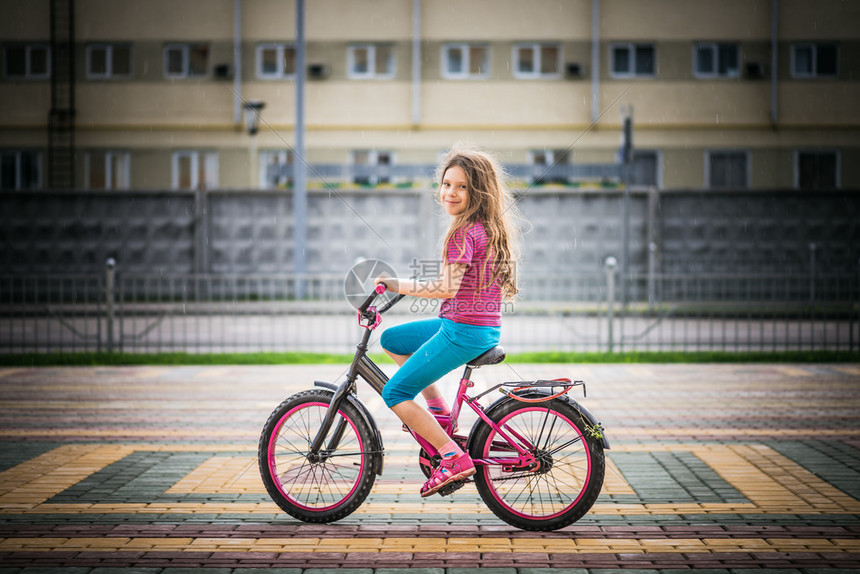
<point>449,470</point>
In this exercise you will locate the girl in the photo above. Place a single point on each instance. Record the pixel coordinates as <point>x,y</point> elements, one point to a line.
<point>477,270</point>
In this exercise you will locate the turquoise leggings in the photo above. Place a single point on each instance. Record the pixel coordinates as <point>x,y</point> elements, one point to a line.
<point>437,346</point>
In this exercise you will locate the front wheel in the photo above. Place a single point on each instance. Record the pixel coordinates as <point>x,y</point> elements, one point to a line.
<point>323,487</point>
<point>565,479</point>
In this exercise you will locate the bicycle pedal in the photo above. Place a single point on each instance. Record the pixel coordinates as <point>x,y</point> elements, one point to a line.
<point>451,488</point>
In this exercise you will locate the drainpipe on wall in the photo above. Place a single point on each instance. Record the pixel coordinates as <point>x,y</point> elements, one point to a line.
<point>416,62</point>
<point>595,60</point>
<point>774,62</point>
<point>237,62</point>
<point>300,192</point>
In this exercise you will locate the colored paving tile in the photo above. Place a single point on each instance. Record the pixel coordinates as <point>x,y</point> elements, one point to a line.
<point>720,468</point>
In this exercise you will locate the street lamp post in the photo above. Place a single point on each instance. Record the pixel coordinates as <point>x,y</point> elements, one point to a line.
<point>252,110</point>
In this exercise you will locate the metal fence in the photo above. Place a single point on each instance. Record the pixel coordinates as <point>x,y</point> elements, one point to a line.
<point>600,312</point>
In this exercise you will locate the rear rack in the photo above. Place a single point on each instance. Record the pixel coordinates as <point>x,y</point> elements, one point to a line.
<point>510,388</point>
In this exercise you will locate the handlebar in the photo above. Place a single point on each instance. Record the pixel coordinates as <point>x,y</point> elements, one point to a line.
<point>391,303</point>
<point>378,290</point>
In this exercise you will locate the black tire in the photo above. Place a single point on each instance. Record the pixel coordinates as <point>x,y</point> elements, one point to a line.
<point>567,482</point>
<point>326,490</point>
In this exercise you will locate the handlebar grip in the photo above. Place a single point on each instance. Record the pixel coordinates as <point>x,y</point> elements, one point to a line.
<point>378,290</point>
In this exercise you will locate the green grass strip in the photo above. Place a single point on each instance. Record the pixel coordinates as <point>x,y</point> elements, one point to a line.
<point>111,359</point>
<point>688,357</point>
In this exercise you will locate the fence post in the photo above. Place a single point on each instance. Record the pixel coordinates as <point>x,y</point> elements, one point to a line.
<point>652,266</point>
<point>855,300</point>
<point>812,272</point>
<point>610,265</point>
<point>110,266</point>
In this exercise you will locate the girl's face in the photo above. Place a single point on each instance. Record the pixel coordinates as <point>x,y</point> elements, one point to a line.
<point>454,191</point>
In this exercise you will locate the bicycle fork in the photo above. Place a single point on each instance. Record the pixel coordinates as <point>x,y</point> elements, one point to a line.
<point>361,365</point>
<point>316,452</point>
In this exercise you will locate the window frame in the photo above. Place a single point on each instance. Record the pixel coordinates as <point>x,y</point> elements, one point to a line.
<point>265,154</point>
<point>28,74</point>
<point>109,154</point>
<point>814,73</point>
<point>109,75</point>
<point>372,73</point>
<point>631,47</point>
<point>715,50</point>
<point>747,175</point>
<point>186,60</point>
<point>210,159</point>
<point>838,167</point>
<point>280,48</point>
<point>553,157</point>
<point>18,153</point>
<point>536,48</point>
<point>466,47</point>
<point>658,158</point>
<point>373,160</point>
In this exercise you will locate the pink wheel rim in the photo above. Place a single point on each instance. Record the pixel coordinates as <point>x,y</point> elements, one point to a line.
<point>500,497</point>
<point>314,473</point>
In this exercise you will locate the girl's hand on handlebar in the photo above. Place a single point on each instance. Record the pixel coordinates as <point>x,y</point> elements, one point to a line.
<point>390,283</point>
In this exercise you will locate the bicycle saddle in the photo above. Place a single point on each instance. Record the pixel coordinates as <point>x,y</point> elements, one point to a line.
<point>491,357</point>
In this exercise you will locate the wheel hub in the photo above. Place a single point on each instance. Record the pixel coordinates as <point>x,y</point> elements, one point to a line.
<point>543,461</point>
<point>318,457</point>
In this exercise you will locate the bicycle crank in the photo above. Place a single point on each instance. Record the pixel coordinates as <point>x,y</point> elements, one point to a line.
<point>451,488</point>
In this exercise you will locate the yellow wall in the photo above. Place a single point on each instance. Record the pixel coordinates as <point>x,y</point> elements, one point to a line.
<point>25,104</point>
<point>684,19</point>
<point>688,104</point>
<point>532,20</point>
<point>185,20</point>
<point>818,19</point>
<point>820,102</point>
<point>181,103</point>
<point>505,104</point>
<point>25,20</point>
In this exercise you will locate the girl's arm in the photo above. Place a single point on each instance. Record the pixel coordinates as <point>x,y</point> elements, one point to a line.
<point>443,287</point>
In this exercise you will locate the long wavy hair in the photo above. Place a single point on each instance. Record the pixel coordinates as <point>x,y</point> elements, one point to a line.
<point>490,202</point>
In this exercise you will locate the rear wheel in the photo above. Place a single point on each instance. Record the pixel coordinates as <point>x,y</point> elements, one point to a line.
<point>329,485</point>
<point>565,479</point>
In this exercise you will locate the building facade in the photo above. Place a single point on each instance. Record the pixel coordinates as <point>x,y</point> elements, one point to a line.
<point>724,94</point>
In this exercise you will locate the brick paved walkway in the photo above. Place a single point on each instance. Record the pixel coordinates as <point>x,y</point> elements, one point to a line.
<point>152,469</point>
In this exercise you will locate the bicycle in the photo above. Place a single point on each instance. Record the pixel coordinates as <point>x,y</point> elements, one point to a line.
<point>538,453</point>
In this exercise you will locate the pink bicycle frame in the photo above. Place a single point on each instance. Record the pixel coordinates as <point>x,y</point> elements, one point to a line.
<point>449,423</point>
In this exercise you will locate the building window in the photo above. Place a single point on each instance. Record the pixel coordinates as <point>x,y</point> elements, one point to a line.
<point>28,62</point>
<point>371,167</point>
<point>107,169</point>
<point>464,61</point>
<point>727,170</point>
<point>276,61</point>
<point>366,61</point>
<point>106,61</point>
<point>537,61</point>
<point>716,61</point>
<point>816,169</point>
<point>276,168</point>
<point>645,170</point>
<point>814,60</point>
<point>186,60</point>
<point>549,165</point>
<point>20,170</point>
<point>632,60</point>
<point>195,170</point>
